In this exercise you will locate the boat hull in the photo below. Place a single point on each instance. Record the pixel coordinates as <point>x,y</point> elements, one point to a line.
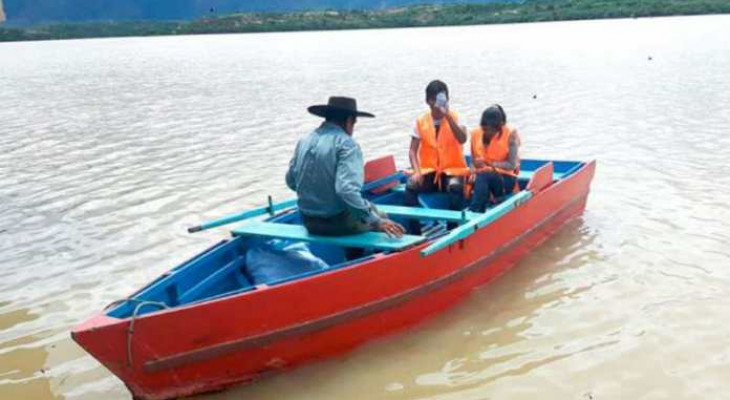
<point>215,344</point>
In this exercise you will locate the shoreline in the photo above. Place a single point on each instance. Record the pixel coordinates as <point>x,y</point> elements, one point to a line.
<point>405,17</point>
<point>343,29</point>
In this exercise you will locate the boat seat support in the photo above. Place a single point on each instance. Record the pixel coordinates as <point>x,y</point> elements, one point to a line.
<point>368,240</point>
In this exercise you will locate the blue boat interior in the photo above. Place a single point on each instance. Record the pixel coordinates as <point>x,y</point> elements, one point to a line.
<point>222,270</point>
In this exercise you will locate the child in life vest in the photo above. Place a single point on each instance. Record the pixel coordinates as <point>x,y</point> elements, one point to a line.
<point>496,162</point>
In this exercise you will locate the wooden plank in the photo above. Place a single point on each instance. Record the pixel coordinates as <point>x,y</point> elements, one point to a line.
<point>368,240</point>
<point>472,226</point>
<point>427,213</point>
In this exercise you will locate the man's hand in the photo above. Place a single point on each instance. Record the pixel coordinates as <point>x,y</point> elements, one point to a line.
<point>392,229</point>
<point>479,163</point>
<point>459,131</point>
<point>417,177</point>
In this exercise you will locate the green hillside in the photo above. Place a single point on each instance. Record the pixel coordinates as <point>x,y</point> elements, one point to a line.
<point>431,15</point>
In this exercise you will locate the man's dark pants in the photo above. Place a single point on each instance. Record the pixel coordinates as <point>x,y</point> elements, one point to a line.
<point>342,224</point>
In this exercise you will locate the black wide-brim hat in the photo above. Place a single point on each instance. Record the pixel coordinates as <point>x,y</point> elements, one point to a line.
<point>345,105</point>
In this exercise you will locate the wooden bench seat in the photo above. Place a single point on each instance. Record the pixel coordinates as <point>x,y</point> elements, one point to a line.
<point>368,240</point>
<point>427,213</point>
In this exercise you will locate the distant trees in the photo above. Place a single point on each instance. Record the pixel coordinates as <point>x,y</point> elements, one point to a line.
<point>44,11</point>
<point>420,15</point>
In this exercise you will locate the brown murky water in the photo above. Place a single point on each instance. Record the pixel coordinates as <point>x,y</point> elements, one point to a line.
<point>109,149</point>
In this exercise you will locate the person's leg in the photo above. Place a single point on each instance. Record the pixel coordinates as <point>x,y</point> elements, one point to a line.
<point>413,188</point>
<point>504,189</point>
<point>455,189</point>
<point>352,226</point>
<point>480,193</point>
<point>496,187</point>
<point>489,187</point>
<point>342,224</point>
<point>317,226</point>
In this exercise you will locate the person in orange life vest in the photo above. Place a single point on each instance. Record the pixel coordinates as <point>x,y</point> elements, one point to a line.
<point>436,153</point>
<point>494,151</point>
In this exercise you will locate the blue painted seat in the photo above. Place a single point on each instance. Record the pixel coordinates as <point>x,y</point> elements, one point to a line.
<point>368,240</point>
<point>439,200</point>
<point>427,213</point>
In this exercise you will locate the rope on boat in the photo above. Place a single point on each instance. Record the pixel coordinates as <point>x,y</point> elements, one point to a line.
<point>130,328</point>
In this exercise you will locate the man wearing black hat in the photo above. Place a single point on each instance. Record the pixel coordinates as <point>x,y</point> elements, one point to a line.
<point>327,172</point>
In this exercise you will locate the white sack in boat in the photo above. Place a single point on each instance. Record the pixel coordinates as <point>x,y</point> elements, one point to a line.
<point>275,260</point>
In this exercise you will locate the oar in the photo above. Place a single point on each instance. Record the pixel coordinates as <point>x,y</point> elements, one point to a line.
<point>274,207</point>
<point>270,209</point>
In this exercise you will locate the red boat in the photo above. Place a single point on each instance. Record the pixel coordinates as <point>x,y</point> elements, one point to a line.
<point>208,323</point>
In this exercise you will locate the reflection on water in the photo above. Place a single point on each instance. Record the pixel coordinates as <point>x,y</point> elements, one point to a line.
<point>22,370</point>
<point>109,149</point>
<point>12,318</point>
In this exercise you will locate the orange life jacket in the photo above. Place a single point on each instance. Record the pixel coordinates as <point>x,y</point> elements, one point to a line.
<point>442,154</point>
<point>497,151</point>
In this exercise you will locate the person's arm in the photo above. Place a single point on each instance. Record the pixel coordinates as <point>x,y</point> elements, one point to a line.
<point>511,163</point>
<point>459,131</point>
<point>413,154</point>
<point>413,157</point>
<point>476,159</point>
<point>349,178</point>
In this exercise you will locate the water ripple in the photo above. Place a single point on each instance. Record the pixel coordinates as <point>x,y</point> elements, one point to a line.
<point>110,148</point>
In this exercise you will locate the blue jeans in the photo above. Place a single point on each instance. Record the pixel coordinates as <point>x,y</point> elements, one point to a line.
<point>490,188</point>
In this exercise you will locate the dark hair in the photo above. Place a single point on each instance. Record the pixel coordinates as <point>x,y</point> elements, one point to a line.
<point>504,115</point>
<point>434,88</point>
<point>337,117</point>
<point>494,116</point>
